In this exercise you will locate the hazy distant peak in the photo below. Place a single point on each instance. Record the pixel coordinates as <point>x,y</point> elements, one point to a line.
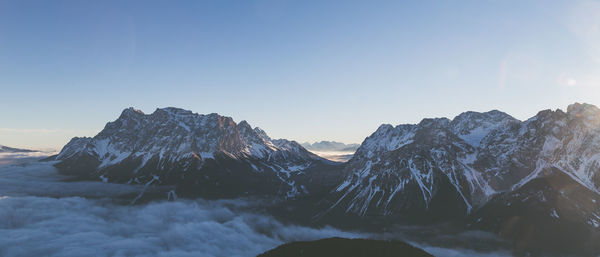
<point>6,149</point>
<point>330,146</point>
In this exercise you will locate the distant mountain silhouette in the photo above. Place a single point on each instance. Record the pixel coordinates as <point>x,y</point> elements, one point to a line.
<point>330,146</point>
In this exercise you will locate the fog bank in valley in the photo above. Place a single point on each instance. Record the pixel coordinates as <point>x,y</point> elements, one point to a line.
<point>41,214</point>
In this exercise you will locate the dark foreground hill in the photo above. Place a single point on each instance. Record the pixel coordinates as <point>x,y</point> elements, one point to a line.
<point>343,247</point>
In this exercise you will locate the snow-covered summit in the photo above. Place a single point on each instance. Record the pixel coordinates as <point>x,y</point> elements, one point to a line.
<point>589,113</point>
<point>579,109</point>
<point>470,126</point>
<point>175,133</point>
<point>138,146</point>
<point>473,126</point>
<point>467,160</point>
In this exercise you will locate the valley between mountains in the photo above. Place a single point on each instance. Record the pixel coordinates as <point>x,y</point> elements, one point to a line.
<point>534,183</point>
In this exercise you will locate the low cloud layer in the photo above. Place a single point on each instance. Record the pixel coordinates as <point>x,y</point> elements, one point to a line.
<point>43,215</point>
<point>336,156</point>
<point>23,157</point>
<point>41,179</point>
<point>74,226</point>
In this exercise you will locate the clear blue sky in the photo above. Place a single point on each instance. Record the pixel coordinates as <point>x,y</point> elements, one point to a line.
<point>303,70</point>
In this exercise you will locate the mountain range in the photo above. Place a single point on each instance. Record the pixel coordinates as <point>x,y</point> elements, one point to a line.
<point>330,146</point>
<point>204,155</point>
<point>536,182</point>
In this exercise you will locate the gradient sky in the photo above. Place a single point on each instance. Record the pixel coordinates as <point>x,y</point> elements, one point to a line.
<point>302,70</point>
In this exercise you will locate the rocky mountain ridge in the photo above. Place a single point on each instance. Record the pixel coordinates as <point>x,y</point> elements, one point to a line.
<point>486,170</point>
<point>525,180</point>
<point>208,154</point>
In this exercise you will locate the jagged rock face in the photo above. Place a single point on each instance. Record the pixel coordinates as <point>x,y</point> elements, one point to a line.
<point>414,169</point>
<point>175,146</point>
<point>511,153</point>
<point>569,141</point>
<point>472,127</point>
<point>552,213</point>
<point>461,163</point>
<point>574,146</point>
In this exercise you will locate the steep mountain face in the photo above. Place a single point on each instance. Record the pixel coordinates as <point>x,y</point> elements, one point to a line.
<point>574,145</point>
<point>417,171</point>
<point>552,213</point>
<point>569,142</point>
<point>445,169</point>
<point>207,155</point>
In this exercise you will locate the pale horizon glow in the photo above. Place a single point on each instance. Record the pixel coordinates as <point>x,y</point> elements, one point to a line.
<point>306,71</point>
<point>64,135</point>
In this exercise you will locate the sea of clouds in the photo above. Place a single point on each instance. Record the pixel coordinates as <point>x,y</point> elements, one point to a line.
<point>23,157</point>
<point>75,226</point>
<point>41,214</point>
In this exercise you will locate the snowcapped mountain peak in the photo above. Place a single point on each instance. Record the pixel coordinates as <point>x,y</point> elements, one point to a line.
<point>262,134</point>
<point>434,122</point>
<point>435,159</point>
<point>474,126</point>
<point>175,131</point>
<point>589,113</point>
<point>386,138</point>
<point>175,110</point>
<point>471,116</point>
<point>244,123</point>
<point>246,130</point>
<point>579,109</point>
<point>383,129</point>
<point>473,157</point>
<point>172,141</point>
<point>131,112</point>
